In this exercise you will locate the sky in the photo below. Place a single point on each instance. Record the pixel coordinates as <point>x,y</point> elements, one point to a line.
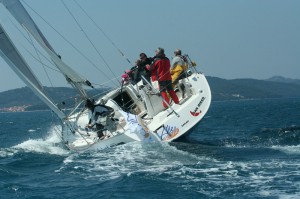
<point>229,39</point>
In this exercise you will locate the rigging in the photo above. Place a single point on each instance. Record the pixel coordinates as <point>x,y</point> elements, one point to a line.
<point>102,31</point>
<point>88,38</point>
<point>65,39</point>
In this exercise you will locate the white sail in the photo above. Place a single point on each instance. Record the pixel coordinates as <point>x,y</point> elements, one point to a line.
<point>21,15</point>
<point>15,60</point>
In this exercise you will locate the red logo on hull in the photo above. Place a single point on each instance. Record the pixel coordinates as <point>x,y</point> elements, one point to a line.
<point>195,113</point>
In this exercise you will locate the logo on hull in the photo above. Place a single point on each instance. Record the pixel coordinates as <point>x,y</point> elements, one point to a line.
<point>196,111</point>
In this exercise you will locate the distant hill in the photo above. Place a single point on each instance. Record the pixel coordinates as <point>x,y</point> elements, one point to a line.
<point>26,98</point>
<point>21,99</point>
<point>222,89</point>
<point>283,80</point>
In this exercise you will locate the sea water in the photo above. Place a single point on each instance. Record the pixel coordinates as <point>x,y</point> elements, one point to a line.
<point>241,149</point>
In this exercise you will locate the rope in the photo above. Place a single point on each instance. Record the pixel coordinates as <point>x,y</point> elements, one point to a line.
<point>31,43</point>
<point>65,39</point>
<point>87,37</point>
<point>101,30</point>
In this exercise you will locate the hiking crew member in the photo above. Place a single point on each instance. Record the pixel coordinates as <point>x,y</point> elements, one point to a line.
<point>144,61</point>
<point>178,67</point>
<point>160,71</point>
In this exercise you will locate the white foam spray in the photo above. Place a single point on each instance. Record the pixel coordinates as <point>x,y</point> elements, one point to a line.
<point>51,144</point>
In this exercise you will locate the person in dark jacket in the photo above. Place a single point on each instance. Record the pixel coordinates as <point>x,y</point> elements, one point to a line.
<point>98,115</point>
<point>144,61</point>
<point>160,71</point>
<point>138,71</point>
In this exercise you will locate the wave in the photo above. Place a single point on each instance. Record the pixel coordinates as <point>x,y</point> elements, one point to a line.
<point>265,137</point>
<point>286,136</point>
<point>133,158</point>
<point>291,150</point>
<point>51,144</point>
<point>165,164</point>
<point>4,152</point>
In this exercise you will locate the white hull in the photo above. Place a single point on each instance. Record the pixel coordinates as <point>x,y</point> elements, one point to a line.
<point>164,126</point>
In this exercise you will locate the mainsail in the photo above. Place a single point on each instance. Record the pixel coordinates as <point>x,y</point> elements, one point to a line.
<point>15,60</point>
<point>21,15</point>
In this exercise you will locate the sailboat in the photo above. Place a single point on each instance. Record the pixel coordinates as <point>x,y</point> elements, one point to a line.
<point>138,113</point>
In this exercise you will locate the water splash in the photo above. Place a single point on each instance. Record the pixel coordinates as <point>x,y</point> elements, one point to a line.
<point>292,150</point>
<point>128,159</point>
<point>51,144</point>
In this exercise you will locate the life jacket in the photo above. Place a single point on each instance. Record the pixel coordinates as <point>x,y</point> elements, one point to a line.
<point>179,68</point>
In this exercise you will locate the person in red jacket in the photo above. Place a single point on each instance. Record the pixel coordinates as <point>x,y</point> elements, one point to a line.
<point>160,71</point>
